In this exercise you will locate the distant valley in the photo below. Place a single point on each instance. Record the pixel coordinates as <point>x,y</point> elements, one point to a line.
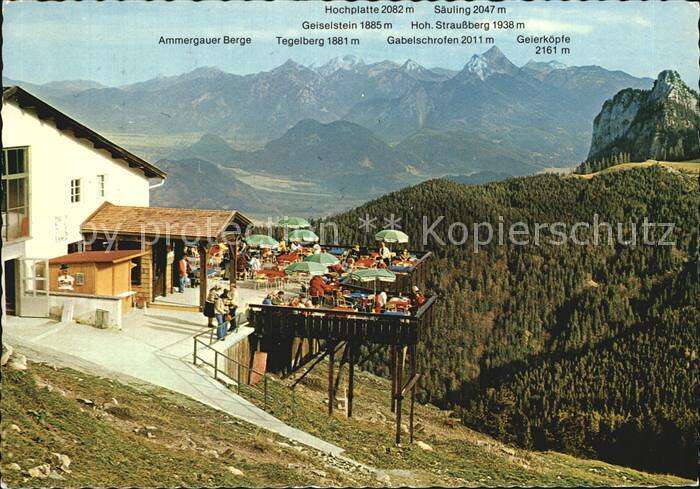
<point>351,129</point>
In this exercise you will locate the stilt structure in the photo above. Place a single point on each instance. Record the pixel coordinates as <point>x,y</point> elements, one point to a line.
<point>281,330</point>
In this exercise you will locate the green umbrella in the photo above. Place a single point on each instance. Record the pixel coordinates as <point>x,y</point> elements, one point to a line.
<point>373,275</point>
<point>303,235</point>
<point>261,241</point>
<point>306,267</point>
<point>391,236</point>
<point>293,222</point>
<point>323,259</point>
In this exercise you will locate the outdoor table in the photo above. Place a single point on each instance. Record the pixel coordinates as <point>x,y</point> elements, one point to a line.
<point>400,268</point>
<point>272,273</point>
<point>399,303</point>
<point>364,262</point>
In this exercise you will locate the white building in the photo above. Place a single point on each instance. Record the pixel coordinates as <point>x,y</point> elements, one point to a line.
<point>55,173</point>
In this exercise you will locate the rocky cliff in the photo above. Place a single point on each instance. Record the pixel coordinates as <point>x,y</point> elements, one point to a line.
<point>636,125</point>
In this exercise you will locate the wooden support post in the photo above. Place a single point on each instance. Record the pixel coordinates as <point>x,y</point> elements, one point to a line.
<point>331,393</point>
<point>392,369</point>
<point>351,375</point>
<point>233,265</point>
<point>342,359</point>
<point>399,397</point>
<point>202,275</point>
<point>412,361</point>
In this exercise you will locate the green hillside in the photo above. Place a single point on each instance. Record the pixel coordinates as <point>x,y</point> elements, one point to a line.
<point>118,435</point>
<point>581,348</point>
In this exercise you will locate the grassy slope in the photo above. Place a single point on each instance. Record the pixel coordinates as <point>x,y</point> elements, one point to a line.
<point>692,166</point>
<point>460,457</point>
<point>106,450</point>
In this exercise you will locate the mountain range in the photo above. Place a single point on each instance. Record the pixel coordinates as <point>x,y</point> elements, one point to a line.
<point>366,128</point>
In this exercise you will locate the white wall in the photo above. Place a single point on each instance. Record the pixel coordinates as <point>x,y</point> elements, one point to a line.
<point>56,157</point>
<point>84,309</point>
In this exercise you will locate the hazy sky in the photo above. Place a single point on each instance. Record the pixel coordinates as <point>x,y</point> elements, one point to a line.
<point>117,43</point>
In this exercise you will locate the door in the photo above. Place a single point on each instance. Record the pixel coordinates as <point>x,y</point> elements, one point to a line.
<point>33,297</point>
<point>160,259</point>
<point>10,287</point>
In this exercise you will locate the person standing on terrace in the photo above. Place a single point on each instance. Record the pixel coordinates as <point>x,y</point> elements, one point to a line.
<point>317,288</point>
<point>209,304</point>
<point>182,273</point>
<point>221,311</point>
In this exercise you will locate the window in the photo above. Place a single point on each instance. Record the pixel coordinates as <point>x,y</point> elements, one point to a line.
<point>80,278</point>
<point>100,185</point>
<point>75,190</point>
<point>15,193</point>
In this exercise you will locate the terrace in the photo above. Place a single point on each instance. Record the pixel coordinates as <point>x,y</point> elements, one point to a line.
<point>347,323</point>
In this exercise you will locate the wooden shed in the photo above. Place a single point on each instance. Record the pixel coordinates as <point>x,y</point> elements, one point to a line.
<point>97,273</point>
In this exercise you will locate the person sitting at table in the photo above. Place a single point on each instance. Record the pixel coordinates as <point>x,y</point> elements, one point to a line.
<point>349,265</point>
<point>385,253</point>
<point>295,302</point>
<point>317,288</point>
<point>278,298</point>
<point>383,298</point>
<point>354,252</point>
<point>282,247</point>
<point>317,249</point>
<point>417,299</point>
<point>379,263</point>
<point>254,265</point>
<point>378,305</point>
<point>405,255</point>
<point>309,304</point>
<point>267,301</point>
<point>295,246</point>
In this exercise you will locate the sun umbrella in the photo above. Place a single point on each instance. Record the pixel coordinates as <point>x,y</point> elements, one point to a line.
<point>303,235</point>
<point>261,241</point>
<point>306,267</point>
<point>293,222</point>
<point>373,275</point>
<point>323,259</point>
<point>391,236</point>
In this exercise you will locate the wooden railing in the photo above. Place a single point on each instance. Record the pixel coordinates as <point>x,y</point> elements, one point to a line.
<point>287,322</point>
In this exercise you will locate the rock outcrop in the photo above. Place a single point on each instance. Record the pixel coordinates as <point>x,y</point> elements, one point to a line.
<point>636,125</point>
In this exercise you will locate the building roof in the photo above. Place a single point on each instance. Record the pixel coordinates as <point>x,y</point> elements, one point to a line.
<point>98,257</point>
<point>194,224</point>
<point>45,111</point>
